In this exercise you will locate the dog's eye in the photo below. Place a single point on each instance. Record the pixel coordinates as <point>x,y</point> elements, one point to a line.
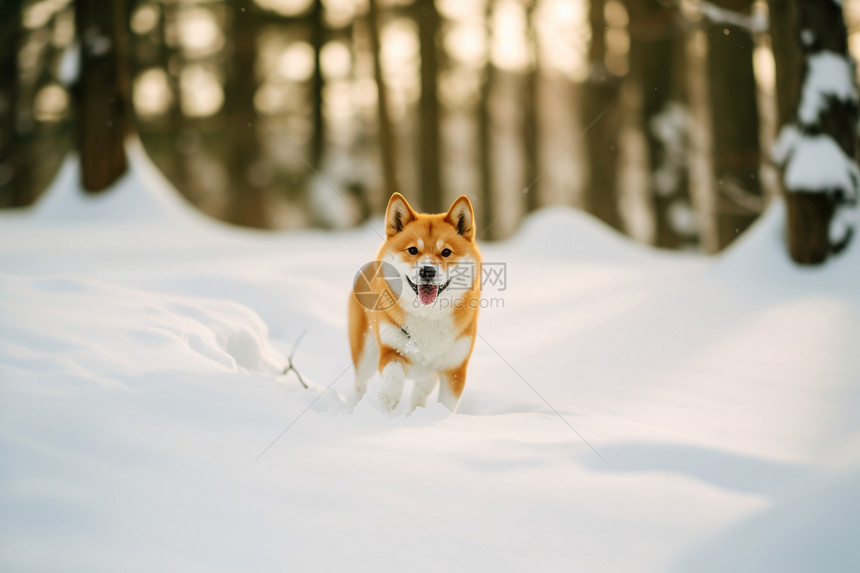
<point>413,250</point>
<point>446,252</point>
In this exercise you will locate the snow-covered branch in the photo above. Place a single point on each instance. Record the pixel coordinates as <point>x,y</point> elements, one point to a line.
<point>829,76</point>
<point>816,164</point>
<point>755,23</point>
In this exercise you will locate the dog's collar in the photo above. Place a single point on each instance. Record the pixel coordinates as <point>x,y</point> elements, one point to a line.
<point>404,331</point>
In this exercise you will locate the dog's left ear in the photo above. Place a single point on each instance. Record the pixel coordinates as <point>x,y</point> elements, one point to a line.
<point>462,217</point>
<point>398,214</point>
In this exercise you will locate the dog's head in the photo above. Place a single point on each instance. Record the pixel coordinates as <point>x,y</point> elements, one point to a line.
<point>436,255</point>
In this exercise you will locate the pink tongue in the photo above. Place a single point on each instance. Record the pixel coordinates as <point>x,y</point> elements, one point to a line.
<point>427,293</point>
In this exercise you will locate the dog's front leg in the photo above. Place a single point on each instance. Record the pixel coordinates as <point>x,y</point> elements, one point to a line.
<point>393,376</point>
<point>423,387</point>
<point>451,384</point>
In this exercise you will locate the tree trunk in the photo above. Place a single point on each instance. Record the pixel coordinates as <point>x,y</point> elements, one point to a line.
<point>657,66</point>
<point>787,56</point>
<point>317,41</point>
<point>12,190</point>
<point>386,132</point>
<point>819,30</point>
<point>486,210</point>
<point>177,160</point>
<point>700,160</point>
<point>248,197</point>
<point>102,92</point>
<point>485,155</point>
<point>530,134</point>
<point>429,147</point>
<point>601,117</point>
<point>808,227</point>
<point>735,123</point>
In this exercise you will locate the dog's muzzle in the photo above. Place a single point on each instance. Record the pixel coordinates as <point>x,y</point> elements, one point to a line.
<point>427,291</point>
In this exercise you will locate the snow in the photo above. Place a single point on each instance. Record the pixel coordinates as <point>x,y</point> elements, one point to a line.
<point>143,196</point>
<point>816,163</point>
<point>70,65</point>
<point>829,75</point>
<point>140,355</point>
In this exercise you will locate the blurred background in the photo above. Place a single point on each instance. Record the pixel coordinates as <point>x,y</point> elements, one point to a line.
<point>655,115</point>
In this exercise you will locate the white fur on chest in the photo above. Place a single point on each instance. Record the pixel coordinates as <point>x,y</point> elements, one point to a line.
<point>429,343</point>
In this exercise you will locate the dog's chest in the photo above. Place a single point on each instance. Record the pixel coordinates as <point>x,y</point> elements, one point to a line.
<point>431,343</point>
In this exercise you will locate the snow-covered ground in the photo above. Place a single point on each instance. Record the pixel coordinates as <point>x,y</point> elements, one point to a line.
<point>141,347</point>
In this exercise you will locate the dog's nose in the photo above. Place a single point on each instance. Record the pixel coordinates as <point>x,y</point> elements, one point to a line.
<point>427,273</point>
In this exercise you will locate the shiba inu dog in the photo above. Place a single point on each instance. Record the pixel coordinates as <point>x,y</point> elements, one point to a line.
<point>424,293</point>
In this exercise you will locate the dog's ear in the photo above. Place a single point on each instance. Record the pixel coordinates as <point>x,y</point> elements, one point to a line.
<point>462,217</point>
<point>398,214</point>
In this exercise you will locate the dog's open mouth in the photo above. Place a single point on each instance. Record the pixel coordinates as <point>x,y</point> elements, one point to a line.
<point>427,293</point>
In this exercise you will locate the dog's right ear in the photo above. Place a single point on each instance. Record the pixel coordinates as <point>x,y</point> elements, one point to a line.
<point>398,214</point>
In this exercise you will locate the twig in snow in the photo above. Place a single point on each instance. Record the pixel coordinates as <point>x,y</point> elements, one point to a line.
<point>290,365</point>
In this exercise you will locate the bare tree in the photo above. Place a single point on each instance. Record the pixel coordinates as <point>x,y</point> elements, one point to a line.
<point>530,121</point>
<point>818,150</point>
<point>317,32</point>
<point>177,160</point>
<point>386,132</point>
<point>485,128</point>
<point>601,114</point>
<point>12,190</point>
<point>787,57</point>
<point>657,66</point>
<point>430,150</point>
<point>103,92</point>
<point>248,195</point>
<point>735,122</point>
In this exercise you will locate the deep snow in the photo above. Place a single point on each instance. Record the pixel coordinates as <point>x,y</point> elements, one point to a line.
<point>140,354</point>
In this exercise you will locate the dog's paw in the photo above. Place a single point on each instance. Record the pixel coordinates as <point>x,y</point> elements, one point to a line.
<point>389,398</point>
<point>351,399</point>
<point>392,385</point>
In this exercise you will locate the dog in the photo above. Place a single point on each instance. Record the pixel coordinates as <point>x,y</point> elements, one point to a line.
<point>422,320</point>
